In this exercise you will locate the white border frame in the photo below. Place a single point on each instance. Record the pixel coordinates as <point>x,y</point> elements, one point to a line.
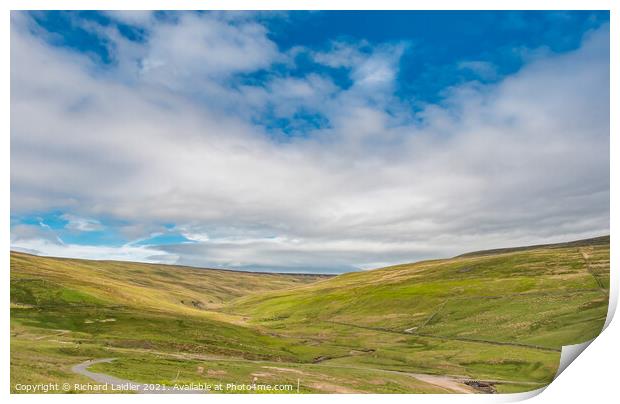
<point>592,377</point>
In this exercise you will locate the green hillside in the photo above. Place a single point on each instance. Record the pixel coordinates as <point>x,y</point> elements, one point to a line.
<point>162,287</point>
<point>67,310</point>
<point>549,296</point>
<point>435,326</point>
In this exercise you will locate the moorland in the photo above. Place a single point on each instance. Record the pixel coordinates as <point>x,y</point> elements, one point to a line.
<point>488,321</point>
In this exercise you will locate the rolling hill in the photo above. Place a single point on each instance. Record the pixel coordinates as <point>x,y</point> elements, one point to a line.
<point>538,294</point>
<point>498,316</point>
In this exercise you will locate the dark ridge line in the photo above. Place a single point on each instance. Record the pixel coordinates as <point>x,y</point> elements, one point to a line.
<point>601,240</point>
<point>480,341</point>
<point>484,341</point>
<point>528,294</point>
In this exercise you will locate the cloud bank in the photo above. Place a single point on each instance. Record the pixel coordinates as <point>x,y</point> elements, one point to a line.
<point>175,137</point>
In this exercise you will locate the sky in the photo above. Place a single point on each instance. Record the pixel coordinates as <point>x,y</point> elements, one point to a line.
<point>323,142</point>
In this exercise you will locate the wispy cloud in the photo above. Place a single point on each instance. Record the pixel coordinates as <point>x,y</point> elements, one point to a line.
<point>124,253</point>
<point>81,223</point>
<point>483,69</point>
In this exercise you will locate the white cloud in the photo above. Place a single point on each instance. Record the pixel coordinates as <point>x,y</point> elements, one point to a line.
<point>341,54</point>
<point>123,253</point>
<point>522,161</point>
<point>201,237</point>
<point>23,232</point>
<point>196,48</point>
<point>81,223</point>
<point>133,17</point>
<point>483,69</point>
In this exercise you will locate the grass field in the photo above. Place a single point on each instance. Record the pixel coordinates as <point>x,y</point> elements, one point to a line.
<point>498,317</point>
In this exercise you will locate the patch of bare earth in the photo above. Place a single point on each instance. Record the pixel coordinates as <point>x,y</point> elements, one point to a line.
<point>297,371</point>
<point>212,372</point>
<point>445,382</point>
<point>332,388</point>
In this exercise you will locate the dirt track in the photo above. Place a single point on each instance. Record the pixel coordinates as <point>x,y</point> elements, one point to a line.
<point>122,385</point>
<point>451,384</point>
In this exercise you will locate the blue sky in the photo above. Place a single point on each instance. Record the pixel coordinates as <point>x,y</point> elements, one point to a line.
<point>306,141</point>
<point>438,42</point>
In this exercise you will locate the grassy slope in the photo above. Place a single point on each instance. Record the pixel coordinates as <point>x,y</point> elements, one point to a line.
<point>503,315</point>
<point>64,311</point>
<point>548,296</point>
<point>151,286</point>
<point>496,316</point>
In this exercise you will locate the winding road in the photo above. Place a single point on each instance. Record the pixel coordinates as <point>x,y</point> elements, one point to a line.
<point>450,384</point>
<point>122,385</point>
